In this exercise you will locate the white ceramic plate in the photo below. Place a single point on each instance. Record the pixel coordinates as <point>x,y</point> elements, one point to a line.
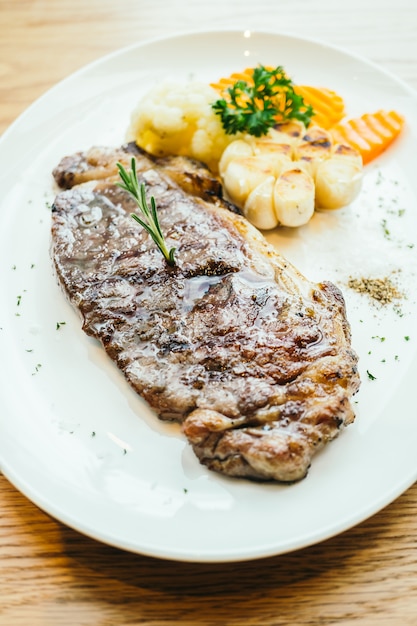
<point>74,437</point>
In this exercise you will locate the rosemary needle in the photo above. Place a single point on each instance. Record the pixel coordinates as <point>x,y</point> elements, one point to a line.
<point>150,222</point>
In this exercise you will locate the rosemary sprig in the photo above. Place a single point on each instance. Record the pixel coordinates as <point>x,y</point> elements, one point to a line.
<point>151,225</point>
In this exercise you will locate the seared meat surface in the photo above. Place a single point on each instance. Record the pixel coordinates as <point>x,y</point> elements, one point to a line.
<point>233,342</point>
<point>99,163</point>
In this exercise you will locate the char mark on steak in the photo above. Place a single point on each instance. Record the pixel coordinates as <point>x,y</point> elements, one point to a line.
<point>253,360</point>
<point>99,163</point>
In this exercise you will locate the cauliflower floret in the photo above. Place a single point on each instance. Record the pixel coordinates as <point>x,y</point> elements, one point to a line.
<point>178,119</point>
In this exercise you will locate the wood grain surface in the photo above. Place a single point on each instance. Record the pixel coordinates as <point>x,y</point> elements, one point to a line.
<point>52,575</point>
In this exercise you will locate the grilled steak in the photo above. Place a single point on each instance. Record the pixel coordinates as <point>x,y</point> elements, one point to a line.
<point>99,163</point>
<point>233,342</point>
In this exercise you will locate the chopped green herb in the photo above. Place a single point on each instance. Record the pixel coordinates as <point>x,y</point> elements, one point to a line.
<point>370,376</point>
<point>258,105</point>
<point>385,229</point>
<point>59,324</point>
<point>407,338</point>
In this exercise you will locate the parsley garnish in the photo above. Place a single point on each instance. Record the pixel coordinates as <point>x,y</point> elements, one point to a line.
<point>256,106</point>
<point>151,225</point>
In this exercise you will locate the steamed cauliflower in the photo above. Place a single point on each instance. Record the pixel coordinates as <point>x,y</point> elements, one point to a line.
<point>277,179</point>
<point>178,119</point>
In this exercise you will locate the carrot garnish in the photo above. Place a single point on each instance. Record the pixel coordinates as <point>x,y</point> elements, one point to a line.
<point>226,82</point>
<point>328,106</point>
<point>371,134</point>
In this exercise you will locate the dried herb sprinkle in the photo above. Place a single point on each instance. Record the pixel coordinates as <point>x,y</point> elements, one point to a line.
<point>381,289</point>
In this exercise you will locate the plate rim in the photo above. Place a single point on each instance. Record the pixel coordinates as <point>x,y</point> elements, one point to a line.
<point>203,32</point>
<point>8,471</point>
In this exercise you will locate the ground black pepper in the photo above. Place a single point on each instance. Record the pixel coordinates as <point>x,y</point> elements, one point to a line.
<point>380,289</point>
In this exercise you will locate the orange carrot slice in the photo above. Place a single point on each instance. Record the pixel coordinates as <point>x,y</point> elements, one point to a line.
<point>224,83</point>
<point>345,134</point>
<point>371,134</point>
<point>329,107</point>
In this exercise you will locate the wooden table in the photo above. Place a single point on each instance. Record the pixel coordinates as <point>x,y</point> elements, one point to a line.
<point>51,575</point>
